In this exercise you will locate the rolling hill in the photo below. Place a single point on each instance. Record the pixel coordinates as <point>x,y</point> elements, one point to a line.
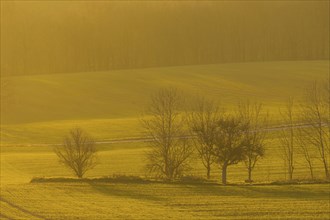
<point>108,103</point>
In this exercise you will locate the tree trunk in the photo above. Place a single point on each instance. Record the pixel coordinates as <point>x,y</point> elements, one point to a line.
<point>250,174</point>
<point>290,169</point>
<point>224,174</point>
<point>290,173</point>
<point>311,171</point>
<point>79,173</point>
<point>326,170</point>
<point>208,171</point>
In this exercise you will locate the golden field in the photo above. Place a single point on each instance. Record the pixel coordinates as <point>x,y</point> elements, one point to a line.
<point>43,110</point>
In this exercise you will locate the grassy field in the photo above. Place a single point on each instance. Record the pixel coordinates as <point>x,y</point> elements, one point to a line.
<point>19,164</point>
<point>23,200</point>
<point>108,105</point>
<point>164,201</point>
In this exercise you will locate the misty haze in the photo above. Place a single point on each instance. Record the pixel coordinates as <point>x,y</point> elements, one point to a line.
<point>165,110</point>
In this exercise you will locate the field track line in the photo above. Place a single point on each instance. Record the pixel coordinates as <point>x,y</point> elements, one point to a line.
<point>149,139</point>
<point>21,209</point>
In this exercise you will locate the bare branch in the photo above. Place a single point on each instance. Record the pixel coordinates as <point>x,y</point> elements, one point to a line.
<point>78,152</point>
<point>168,156</point>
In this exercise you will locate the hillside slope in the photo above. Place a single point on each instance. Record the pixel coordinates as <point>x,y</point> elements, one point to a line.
<point>124,93</point>
<point>107,104</point>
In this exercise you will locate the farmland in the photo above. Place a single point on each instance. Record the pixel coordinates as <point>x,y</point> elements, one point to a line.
<point>47,106</point>
<point>23,200</point>
<point>164,201</point>
<point>192,110</point>
<point>44,107</point>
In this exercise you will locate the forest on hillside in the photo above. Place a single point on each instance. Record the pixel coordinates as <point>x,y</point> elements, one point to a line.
<point>58,37</point>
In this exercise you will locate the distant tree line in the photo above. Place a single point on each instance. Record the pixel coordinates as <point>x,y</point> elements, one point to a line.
<point>75,36</point>
<point>217,136</point>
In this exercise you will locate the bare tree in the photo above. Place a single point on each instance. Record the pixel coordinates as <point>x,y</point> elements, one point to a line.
<point>315,112</point>
<point>230,142</point>
<point>78,152</point>
<point>203,122</point>
<point>170,148</point>
<point>287,136</point>
<point>306,150</point>
<point>256,121</point>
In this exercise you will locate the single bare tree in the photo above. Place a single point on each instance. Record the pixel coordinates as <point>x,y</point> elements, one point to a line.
<point>170,148</point>
<point>306,150</point>
<point>256,121</point>
<point>315,112</point>
<point>203,121</point>
<point>230,142</point>
<point>78,152</point>
<point>287,136</point>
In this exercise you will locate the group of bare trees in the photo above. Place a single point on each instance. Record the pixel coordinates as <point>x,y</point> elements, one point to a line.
<point>227,138</point>
<point>216,136</point>
<point>310,138</point>
<point>219,137</point>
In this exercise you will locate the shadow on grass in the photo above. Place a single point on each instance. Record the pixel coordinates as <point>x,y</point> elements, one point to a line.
<point>107,179</point>
<point>118,186</point>
<point>132,193</point>
<point>121,179</point>
<point>266,191</point>
<point>291,191</point>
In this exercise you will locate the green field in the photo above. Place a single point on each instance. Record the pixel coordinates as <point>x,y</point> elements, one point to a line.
<point>23,200</point>
<point>165,201</point>
<point>42,108</point>
<point>108,105</point>
<point>19,164</point>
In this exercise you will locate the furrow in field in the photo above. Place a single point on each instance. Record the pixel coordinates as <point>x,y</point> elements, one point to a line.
<point>17,211</point>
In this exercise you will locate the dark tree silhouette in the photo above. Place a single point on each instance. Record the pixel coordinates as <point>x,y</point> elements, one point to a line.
<point>230,143</point>
<point>315,112</point>
<point>256,121</point>
<point>203,121</point>
<point>78,152</point>
<point>170,148</point>
<point>288,136</point>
